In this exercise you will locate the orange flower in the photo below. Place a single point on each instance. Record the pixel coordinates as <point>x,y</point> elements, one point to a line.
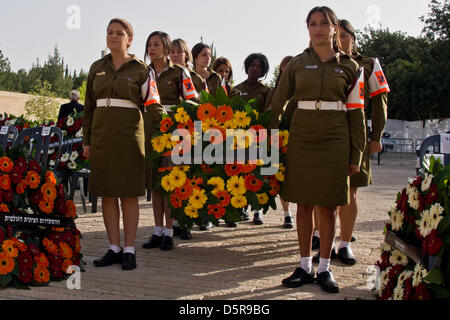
<point>232,169</point>
<point>275,187</point>
<point>49,191</point>
<point>224,198</point>
<point>5,182</point>
<point>205,111</point>
<point>50,177</point>
<point>184,192</point>
<point>10,249</point>
<point>6,165</point>
<point>41,274</point>
<point>50,246</point>
<point>33,179</point>
<point>21,186</point>
<point>66,250</point>
<point>216,210</point>
<point>42,260</point>
<point>66,264</point>
<point>71,209</point>
<point>4,208</point>
<point>26,125</point>
<point>176,202</point>
<point>189,125</point>
<point>195,182</point>
<point>46,206</point>
<point>224,113</point>
<point>165,125</point>
<point>77,244</point>
<point>7,263</point>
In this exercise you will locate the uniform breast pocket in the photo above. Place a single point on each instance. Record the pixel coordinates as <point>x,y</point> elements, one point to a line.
<point>307,80</point>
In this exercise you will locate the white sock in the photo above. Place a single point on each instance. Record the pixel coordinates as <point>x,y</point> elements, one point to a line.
<point>175,223</point>
<point>115,248</point>
<point>168,232</point>
<point>128,250</point>
<point>306,264</point>
<point>324,265</point>
<point>287,213</point>
<point>159,231</point>
<point>317,233</point>
<point>344,244</point>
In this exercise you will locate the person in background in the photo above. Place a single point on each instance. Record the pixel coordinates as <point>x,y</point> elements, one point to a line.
<point>223,67</point>
<point>201,54</point>
<point>71,107</point>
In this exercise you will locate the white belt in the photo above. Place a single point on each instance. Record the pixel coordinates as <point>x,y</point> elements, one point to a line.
<point>167,107</point>
<point>116,103</point>
<point>322,105</point>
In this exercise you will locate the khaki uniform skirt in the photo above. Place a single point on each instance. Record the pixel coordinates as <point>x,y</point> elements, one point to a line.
<point>117,153</point>
<point>152,118</point>
<point>318,158</point>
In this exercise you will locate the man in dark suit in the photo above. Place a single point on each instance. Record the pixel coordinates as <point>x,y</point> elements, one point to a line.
<point>72,106</point>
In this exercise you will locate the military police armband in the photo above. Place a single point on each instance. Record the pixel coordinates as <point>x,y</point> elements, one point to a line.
<point>224,85</point>
<point>355,98</point>
<point>149,90</point>
<point>189,91</point>
<point>377,80</point>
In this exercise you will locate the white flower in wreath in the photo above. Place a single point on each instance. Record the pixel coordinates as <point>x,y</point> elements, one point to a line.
<point>398,258</point>
<point>64,133</point>
<point>52,163</point>
<point>398,292</point>
<point>65,157</point>
<point>73,156</point>
<point>384,276</point>
<point>9,123</point>
<point>425,224</point>
<point>28,210</point>
<point>435,215</point>
<point>70,121</point>
<point>427,182</point>
<point>79,134</point>
<point>413,199</point>
<point>404,276</point>
<point>409,189</point>
<point>51,150</point>
<point>72,165</point>
<point>396,219</point>
<point>418,275</point>
<point>385,247</point>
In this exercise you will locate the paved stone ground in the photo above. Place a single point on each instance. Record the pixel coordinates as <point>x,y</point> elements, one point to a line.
<point>247,262</point>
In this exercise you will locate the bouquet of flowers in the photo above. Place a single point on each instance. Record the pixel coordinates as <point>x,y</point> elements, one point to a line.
<point>420,217</point>
<point>34,253</point>
<point>211,186</point>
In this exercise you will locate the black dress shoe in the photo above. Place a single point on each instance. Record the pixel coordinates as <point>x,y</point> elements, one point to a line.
<point>244,215</point>
<point>288,223</point>
<point>353,239</point>
<point>206,226</point>
<point>176,231</point>
<point>109,258</point>
<point>186,234</point>
<point>315,243</point>
<point>257,219</point>
<point>167,243</point>
<point>129,261</point>
<point>316,258</point>
<point>154,242</point>
<point>298,278</point>
<point>326,282</point>
<point>232,224</point>
<point>346,256</point>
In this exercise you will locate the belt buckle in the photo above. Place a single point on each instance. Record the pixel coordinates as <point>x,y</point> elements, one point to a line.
<point>108,102</point>
<point>318,104</point>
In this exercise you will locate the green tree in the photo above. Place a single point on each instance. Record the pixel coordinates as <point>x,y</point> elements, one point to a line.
<point>82,90</point>
<point>437,21</point>
<point>273,81</point>
<point>43,105</point>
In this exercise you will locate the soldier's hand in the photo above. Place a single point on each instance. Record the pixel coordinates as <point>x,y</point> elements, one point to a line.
<point>375,147</point>
<point>86,152</point>
<point>353,169</point>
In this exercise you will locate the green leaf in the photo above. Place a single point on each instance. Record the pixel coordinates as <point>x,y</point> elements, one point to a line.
<point>5,280</point>
<point>232,215</point>
<point>221,97</point>
<point>438,292</point>
<point>435,276</point>
<point>20,285</point>
<point>253,200</point>
<point>444,224</point>
<point>272,203</point>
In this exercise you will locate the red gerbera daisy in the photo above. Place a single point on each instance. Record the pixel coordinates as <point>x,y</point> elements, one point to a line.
<point>252,183</point>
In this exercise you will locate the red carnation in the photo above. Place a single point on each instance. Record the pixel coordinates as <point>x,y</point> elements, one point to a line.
<point>7,196</point>
<point>422,293</point>
<point>56,237</point>
<point>432,243</point>
<point>25,276</point>
<point>2,235</point>
<point>417,182</point>
<point>16,175</point>
<point>432,195</point>
<point>25,261</point>
<point>34,250</point>
<point>395,271</point>
<point>61,206</point>
<point>36,197</point>
<point>408,291</point>
<point>402,203</point>
<point>56,261</point>
<point>34,166</point>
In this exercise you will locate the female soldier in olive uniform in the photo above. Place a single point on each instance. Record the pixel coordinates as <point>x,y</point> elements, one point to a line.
<point>201,53</point>
<point>326,142</point>
<point>113,138</point>
<point>376,93</point>
<point>256,67</point>
<point>174,85</point>
<point>223,67</point>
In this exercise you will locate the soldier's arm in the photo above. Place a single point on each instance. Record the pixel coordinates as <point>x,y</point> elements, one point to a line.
<point>357,123</point>
<point>379,116</point>
<point>89,108</point>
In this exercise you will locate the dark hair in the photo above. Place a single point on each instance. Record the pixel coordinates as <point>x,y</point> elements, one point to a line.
<point>347,26</point>
<point>262,58</point>
<point>125,24</point>
<point>197,49</point>
<point>332,18</point>
<point>283,62</point>
<point>180,43</point>
<point>220,61</point>
<point>165,38</point>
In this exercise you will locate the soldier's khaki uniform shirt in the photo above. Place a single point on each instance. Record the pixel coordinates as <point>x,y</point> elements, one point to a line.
<point>260,92</point>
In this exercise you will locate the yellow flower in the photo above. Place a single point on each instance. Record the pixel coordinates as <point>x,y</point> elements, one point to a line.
<point>198,198</point>
<point>181,116</point>
<point>239,201</point>
<point>280,173</point>
<point>195,138</point>
<point>260,162</point>
<point>244,139</point>
<point>166,140</point>
<point>209,123</point>
<point>218,183</point>
<point>177,178</point>
<point>256,114</point>
<point>166,183</point>
<point>263,198</point>
<point>181,169</point>
<point>241,119</point>
<point>284,135</point>
<point>230,124</point>
<point>157,144</point>
<point>191,212</point>
<point>236,185</point>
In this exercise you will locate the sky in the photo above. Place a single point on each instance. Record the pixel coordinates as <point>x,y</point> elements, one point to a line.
<point>30,29</point>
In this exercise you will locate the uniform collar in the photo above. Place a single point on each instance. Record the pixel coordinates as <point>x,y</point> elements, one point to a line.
<point>337,56</point>
<point>108,59</point>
